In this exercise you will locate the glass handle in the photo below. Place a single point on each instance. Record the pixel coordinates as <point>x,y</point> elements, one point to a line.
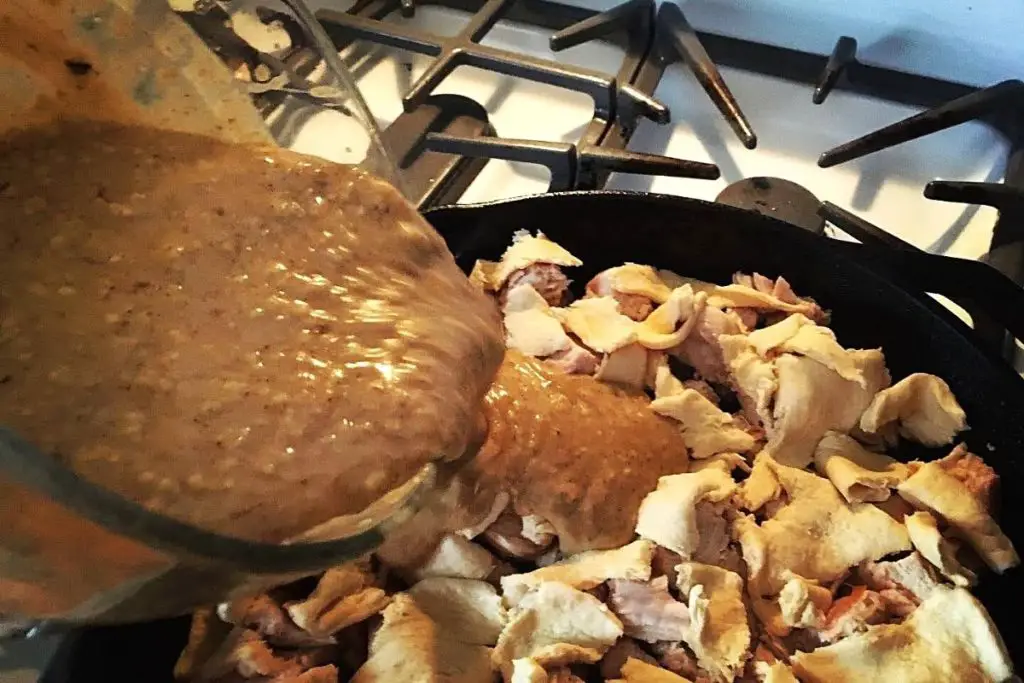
<point>380,159</point>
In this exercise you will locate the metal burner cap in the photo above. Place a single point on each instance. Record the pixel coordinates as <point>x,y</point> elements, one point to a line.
<point>777,198</point>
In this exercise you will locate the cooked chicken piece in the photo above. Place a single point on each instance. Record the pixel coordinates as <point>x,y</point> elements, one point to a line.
<point>343,596</point>
<point>507,538</point>
<point>624,649</point>
<point>580,453</point>
<point>747,317</point>
<point>853,614</point>
<point>575,360</point>
<point>921,407</point>
<point>684,514</point>
<point>530,325</point>
<point>547,278</point>
<point>585,570</point>
<point>501,501</point>
<point>527,251</point>
<point>526,670</point>
<point>932,488</point>
<point>980,479</point>
<point>707,430</point>
<point>538,530</point>
<point>556,625</point>
<point>815,535</point>
<point>720,634</point>
<point>469,611</point>
<point>626,367</point>
<point>598,324</point>
<point>927,540</point>
<point>774,673</point>
<point>903,584</point>
<point>648,611</point>
<point>949,637</point>
<point>679,659</point>
<point>812,400</point>
<point>702,388</point>
<point>672,322</point>
<point>266,616</point>
<point>639,671</point>
<point>860,475</point>
<point>409,646</point>
<point>702,350</point>
<point>456,557</point>
<point>664,563</point>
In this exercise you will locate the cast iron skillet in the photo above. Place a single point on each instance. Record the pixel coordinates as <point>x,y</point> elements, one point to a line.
<point>868,292</point>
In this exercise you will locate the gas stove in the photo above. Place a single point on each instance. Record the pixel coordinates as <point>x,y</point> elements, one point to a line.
<point>868,124</point>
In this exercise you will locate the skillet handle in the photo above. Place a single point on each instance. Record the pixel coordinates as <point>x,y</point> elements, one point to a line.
<point>992,299</point>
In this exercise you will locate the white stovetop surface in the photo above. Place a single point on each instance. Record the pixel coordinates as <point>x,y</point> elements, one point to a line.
<point>885,188</point>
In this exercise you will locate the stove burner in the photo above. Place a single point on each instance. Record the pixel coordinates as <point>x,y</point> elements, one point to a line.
<point>777,198</point>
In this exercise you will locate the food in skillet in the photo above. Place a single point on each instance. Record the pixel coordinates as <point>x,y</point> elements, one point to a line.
<point>789,546</point>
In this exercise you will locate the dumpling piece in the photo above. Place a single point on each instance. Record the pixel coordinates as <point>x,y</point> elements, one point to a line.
<point>720,634</point>
<point>527,250</point>
<point>752,376</point>
<point>526,670</point>
<point>949,637</point>
<point>631,279</point>
<point>598,324</point>
<point>858,474</point>
<point>585,570</point>
<point>530,326</point>
<point>799,335</point>
<point>813,399</point>
<point>803,603</point>
<point>742,296</point>
<point>672,322</point>
<point>932,488</point>
<point>343,596</point>
<point>457,557</point>
<point>814,534</point>
<point>921,407</point>
<point>925,535</point>
<point>469,611</point>
<point>685,515</point>
<point>409,646</point>
<point>554,625</point>
<point>707,429</point>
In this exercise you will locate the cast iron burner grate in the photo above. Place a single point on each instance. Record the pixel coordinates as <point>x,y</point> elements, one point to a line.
<point>443,150</point>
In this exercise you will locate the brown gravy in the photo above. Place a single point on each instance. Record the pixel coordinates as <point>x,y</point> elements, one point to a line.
<point>233,336</point>
<point>580,453</point>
